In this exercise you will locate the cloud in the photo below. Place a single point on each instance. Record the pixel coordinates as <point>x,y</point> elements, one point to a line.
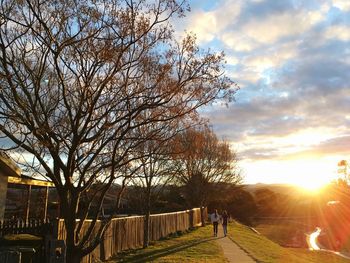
<point>285,125</point>
<point>272,28</point>
<point>266,22</point>
<point>238,41</point>
<point>342,4</point>
<point>208,25</point>
<point>232,60</point>
<point>199,25</point>
<point>340,32</point>
<point>337,145</point>
<point>272,57</point>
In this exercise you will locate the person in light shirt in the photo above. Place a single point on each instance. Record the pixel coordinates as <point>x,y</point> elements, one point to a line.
<point>215,218</point>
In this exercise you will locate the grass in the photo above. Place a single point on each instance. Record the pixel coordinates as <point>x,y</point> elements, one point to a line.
<point>283,232</point>
<point>15,237</point>
<point>263,249</point>
<point>346,247</point>
<point>195,246</point>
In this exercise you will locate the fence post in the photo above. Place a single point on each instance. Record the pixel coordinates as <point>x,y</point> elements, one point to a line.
<point>191,218</point>
<point>46,200</point>
<point>29,193</point>
<point>55,226</point>
<point>202,215</point>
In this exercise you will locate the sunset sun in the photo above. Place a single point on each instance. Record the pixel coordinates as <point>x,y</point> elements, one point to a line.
<point>311,185</point>
<point>312,175</point>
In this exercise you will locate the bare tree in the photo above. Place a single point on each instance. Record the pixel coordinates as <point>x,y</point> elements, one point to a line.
<point>76,78</point>
<point>204,162</point>
<point>155,162</point>
<point>155,173</point>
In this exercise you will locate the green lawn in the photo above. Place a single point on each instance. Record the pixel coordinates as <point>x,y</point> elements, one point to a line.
<point>264,250</point>
<point>196,246</point>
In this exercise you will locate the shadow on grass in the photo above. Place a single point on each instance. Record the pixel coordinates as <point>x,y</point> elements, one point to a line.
<point>157,253</point>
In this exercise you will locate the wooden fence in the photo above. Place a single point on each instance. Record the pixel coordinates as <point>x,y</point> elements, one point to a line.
<point>127,233</point>
<point>32,226</point>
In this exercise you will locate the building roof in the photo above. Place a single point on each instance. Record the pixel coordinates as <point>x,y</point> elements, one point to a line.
<point>27,180</point>
<point>8,167</point>
<point>14,174</point>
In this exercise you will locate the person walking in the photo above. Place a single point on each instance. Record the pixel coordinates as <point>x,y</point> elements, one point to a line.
<point>215,218</point>
<point>224,219</point>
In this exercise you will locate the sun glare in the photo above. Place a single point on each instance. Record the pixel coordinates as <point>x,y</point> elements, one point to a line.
<point>311,185</point>
<point>312,176</point>
<point>309,174</point>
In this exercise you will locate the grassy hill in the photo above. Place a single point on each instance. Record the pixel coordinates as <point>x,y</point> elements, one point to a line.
<point>263,249</point>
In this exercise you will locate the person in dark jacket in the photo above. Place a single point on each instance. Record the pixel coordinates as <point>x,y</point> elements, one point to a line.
<point>224,221</point>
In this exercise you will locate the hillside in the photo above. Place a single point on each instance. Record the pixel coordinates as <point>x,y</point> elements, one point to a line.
<point>286,189</point>
<point>263,249</point>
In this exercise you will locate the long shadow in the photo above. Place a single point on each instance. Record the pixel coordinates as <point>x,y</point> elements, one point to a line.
<point>152,255</point>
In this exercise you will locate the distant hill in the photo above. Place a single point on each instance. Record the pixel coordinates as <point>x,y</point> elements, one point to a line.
<point>286,189</point>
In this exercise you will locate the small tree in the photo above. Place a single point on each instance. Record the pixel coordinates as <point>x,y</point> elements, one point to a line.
<point>156,171</point>
<point>76,78</point>
<point>203,162</point>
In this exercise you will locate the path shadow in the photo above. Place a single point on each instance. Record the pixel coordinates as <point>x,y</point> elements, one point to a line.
<point>157,253</point>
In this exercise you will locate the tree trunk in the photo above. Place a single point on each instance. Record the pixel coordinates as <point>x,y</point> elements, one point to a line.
<point>73,256</point>
<point>73,253</point>
<point>146,230</point>
<point>202,215</point>
<point>69,213</point>
<point>147,221</point>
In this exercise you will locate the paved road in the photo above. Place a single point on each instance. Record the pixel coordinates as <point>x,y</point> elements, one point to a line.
<point>231,251</point>
<point>312,241</point>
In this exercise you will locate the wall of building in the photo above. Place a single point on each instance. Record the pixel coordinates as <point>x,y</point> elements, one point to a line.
<point>3,191</point>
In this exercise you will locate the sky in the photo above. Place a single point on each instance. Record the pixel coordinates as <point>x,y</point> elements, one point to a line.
<point>290,122</point>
